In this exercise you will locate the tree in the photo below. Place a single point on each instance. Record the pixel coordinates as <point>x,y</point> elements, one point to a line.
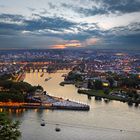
<point>98,84</point>
<point>111,81</point>
<point>89,84</point>
<point>6,84</point>
<point>14,97</point>
<point>9,130</point>
<point>106,91</point>
<point>5,77</point>
<point>73,77</point>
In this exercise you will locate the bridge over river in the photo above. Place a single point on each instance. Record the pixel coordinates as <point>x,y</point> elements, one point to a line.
<point>47,67</point>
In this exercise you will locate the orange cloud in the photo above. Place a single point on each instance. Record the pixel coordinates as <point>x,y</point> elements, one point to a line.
<point>58,46</point>
<point>71,43</point>
<point>76,43</point>
<point>90,41</point>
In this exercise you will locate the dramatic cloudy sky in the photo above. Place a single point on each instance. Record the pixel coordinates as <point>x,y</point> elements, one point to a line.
<point>70,24</point>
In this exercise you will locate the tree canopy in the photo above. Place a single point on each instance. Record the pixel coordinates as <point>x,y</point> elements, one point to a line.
<point>9,130</point>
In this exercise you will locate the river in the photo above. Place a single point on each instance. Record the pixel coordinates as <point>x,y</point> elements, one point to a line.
<point>104,121</point>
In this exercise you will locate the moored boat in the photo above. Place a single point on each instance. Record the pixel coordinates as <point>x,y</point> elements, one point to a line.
<point>47,78</point>
<point>57,129</point>
<point>42,75</point>
<point>42,123</point>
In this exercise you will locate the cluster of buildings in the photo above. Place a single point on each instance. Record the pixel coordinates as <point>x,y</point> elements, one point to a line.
<point>117,62</point>
<point>93,60</point>
<point>8,68</point>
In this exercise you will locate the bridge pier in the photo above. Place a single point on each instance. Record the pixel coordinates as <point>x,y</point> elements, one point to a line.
<point>45,70</point>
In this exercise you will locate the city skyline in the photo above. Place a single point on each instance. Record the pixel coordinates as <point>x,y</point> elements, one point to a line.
<point>60,24</point>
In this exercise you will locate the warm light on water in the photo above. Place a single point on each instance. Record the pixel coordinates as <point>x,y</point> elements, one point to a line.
<point>108,121</point>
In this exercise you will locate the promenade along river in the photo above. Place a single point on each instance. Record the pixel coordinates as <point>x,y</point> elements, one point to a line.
<point>104,121</point>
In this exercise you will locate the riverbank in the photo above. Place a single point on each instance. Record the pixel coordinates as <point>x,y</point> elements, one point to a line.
<point>48,102</point>
<point>56,107</point>
<point>66,83</point>
<point>99,95</point>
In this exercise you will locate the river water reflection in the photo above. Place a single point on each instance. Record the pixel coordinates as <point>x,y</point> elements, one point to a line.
<point>107,121</point>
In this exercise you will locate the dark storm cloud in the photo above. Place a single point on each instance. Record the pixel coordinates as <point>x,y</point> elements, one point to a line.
<point>18,32</point>
<point>133,28</point>
<point>48,23</point>
<point>85,11</point>
<point>8,22</point>
<point>90,12</point>
<point>123,37</point>
<point>11,17</point>
<point>106,7</point>
<point>40,23</point>
<point>130,39</point>
<point>11,26</point>
<point>123,41</point>
<point>123,6</point>
<point>118,35</point>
